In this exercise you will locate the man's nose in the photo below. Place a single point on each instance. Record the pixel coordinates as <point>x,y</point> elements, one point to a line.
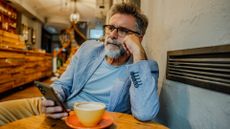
<point>114,33</point>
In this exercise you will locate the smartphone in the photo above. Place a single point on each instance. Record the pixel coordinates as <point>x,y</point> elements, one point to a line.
<point>49,93</point>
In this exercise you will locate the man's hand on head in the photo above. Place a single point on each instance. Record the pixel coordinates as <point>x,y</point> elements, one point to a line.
<point>132,45</point>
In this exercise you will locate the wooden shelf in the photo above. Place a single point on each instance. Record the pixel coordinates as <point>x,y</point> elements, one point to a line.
<point>11,41</point>
<point>8,17</point>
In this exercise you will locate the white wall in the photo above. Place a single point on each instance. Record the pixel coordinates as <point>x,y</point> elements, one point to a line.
<point>180,24</point>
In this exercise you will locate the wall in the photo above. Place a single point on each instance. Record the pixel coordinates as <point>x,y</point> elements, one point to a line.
<point>182,24</point>
<point>37,26</point>
<point>38,32</point>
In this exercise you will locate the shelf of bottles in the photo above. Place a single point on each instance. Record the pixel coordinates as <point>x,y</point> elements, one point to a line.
<point>8,17</point>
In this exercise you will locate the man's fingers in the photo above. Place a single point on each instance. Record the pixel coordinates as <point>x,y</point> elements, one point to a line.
<point>126,49</point>
<point>47,103</point>
<point>53,109</point>
<point>57,115</point>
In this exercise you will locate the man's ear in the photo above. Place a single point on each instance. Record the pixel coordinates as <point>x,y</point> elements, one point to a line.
<point>141,38</point>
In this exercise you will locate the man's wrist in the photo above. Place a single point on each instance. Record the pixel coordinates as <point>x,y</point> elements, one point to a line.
<point>139,57</point>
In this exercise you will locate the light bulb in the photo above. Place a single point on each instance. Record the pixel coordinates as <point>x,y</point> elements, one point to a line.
<point>74,17</point>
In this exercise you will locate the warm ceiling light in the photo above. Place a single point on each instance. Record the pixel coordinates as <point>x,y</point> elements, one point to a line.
<point>74,17</point>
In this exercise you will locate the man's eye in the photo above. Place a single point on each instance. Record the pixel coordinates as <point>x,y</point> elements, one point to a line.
<point>123,30</point>
<point>111,28</point>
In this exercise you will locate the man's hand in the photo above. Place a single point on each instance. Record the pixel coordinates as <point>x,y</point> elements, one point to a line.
<point>132,45</point>
<point>52,111</point>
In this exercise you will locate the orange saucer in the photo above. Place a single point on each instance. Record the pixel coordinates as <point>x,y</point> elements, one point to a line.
<point>73,122</point>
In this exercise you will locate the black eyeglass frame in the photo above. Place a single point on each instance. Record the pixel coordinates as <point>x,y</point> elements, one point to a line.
<point>128,31</point>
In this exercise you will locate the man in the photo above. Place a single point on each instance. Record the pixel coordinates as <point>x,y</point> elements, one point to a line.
<point>115,72</point>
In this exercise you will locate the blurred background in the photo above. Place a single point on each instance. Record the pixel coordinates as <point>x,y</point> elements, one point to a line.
<point>38,38</point>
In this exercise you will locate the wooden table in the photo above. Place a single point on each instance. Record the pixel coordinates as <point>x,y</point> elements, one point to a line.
<point>120,121</point>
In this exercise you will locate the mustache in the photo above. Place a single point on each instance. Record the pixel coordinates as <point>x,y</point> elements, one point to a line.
<point>114,42</point>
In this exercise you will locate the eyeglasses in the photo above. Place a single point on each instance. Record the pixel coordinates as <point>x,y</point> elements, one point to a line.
<point>121,31</point>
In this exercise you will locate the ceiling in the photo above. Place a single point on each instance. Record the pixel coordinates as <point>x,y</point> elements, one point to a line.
<point>56,13</point>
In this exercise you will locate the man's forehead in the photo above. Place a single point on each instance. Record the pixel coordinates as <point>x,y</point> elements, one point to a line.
<point>122,20</point>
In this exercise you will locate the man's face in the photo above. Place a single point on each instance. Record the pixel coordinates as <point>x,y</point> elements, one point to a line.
<point>114,37</point>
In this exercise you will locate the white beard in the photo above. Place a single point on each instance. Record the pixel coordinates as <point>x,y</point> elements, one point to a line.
<point>112,53</point>
<point>114,50</point>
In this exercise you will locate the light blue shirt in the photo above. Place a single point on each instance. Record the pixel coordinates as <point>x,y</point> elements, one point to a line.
<point>99,86</point>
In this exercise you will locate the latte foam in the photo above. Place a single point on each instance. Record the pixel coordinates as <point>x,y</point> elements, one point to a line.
<point>90,106</point>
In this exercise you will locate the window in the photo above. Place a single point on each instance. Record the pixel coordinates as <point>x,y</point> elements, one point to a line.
<point>95,33</point>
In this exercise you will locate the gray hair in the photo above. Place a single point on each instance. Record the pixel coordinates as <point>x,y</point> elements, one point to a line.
<point>133,10</point>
